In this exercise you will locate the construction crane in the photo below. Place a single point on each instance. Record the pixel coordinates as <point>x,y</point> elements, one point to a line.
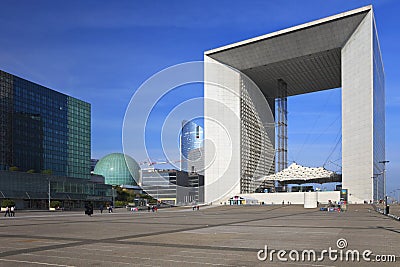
<point>152,163</point>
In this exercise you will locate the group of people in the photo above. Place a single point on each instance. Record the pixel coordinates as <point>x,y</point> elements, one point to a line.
<point>10,211</point>
<point>153,208</point>
<point>89,209</point>
<point>196,207</point>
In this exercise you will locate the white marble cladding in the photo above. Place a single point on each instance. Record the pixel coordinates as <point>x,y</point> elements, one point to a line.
<point>222,130</point>
<point>357,113</point>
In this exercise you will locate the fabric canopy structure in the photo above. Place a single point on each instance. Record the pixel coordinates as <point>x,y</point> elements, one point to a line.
<point>297,174</point>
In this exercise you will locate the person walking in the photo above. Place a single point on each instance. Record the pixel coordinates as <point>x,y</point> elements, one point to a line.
<point>12,211</point>
<point>101,209</point>
<point>7,212</point>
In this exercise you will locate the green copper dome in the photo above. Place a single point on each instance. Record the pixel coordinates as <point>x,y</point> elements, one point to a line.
<point>115,169</point>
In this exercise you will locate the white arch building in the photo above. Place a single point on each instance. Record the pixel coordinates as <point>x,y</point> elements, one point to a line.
<point>337,51</point>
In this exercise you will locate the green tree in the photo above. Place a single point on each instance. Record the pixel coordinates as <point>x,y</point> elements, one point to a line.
<point>55,204</point>
<point>49,172</point>
<point>122,195</point>
<point>7,203</point>
<point>119,203</point>
<point>30,171</point>
<point>13,168</point>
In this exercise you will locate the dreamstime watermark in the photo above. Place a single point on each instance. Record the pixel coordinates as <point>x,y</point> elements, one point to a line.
<point>332,254</point>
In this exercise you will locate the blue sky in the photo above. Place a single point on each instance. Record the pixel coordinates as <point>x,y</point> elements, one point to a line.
<point>102,51</point>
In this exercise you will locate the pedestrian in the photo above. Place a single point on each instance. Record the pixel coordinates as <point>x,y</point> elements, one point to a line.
<point>89,210</point>
<point>7,212</point>
<point>148,208</point>
<point>12,211</point>
<point>198,207</point>
<point>101,209</point>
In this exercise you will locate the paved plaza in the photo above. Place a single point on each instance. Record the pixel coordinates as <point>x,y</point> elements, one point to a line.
<point>212,236</point>
<point>393,208</point>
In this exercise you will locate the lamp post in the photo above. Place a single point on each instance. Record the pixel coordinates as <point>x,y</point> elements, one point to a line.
<point>48,179</point>
<point>398,202</point>
<point>376,175</point>
<point>113,196</point>
<point>375,185</point>
<point>384,179</point>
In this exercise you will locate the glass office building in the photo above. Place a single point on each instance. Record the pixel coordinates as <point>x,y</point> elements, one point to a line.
<point>43,130</point>
<point>192,136</point>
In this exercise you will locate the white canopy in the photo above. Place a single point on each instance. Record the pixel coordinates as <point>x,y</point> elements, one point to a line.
<point>299,174</point>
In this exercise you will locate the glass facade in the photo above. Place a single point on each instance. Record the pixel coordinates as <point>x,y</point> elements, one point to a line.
<point>257,151</point>
<point>78,137</point>
<point>118,169</point>
<point>42,129</point>
<point>30,190</point>
<point>192,136</point>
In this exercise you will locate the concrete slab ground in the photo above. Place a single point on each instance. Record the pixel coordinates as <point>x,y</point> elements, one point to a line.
<point>393,208</point>
<point>214,236</point>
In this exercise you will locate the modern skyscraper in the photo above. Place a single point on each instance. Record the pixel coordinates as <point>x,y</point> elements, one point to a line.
<point>192,136</point>
<point>41,129</point>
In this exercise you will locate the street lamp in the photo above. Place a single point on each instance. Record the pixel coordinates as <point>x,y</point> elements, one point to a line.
<point>375,183</point>
<point>113,195</point>
<point>48,179</point>
<point>376,175</point>
<point>384,178</point>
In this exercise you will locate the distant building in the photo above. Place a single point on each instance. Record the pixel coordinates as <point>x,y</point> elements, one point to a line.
<point>118,169</point>
<point>41,129</point>
<point>192,136</point>
<point>173,187</point>
<point>195,160</point>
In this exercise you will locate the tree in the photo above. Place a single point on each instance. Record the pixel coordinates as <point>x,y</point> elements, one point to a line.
<point>7,203</point>
<point>122,195</point>
<point>55,204</point>
<point>48,171</point>
<point>30,171</point>
<point>13,168</point>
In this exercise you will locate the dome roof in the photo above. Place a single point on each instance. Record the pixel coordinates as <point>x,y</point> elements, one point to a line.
<point>118,169</point>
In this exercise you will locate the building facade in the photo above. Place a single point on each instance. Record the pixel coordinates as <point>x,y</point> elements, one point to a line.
<point>192,136</point>
<point>31,190</point>
<point>173,187</point>
<point>243,78</point>
<point>195,161</point>
<point>43,130</point>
